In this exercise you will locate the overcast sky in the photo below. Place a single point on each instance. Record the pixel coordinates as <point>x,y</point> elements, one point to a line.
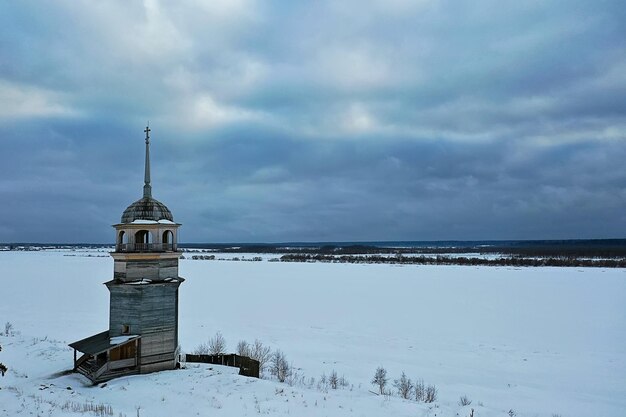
<point>346,120</point>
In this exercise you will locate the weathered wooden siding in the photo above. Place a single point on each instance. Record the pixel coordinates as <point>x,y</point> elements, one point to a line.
<point>159,322</point>
<point>119,269</point>
<point>125,309</point>
<point>247,366</point>
<point>163,357</point>
<point>160,366</point>
<point>157,343</point>
<point>154,269</point>
<point>124,363</point>
<point>151,310</point>
<point>168,268</point>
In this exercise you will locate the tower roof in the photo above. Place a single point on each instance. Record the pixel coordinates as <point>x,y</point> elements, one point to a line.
<point>147,208</point>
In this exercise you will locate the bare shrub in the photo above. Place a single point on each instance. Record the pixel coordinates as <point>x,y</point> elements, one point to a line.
<point>8,328</point>
<point>322,385</point>
<point>463,401</point>
<point>243,348</point>
<point>296,378</point>
<point>279,367</point>
<point>419,390</point>
<point>87,407</point>
<point>217,344</point>
<point>430,394</point>
<point>260,353</point>
<point>512,413</point>
<point>404,386</point>
<point>201,349</point>
<point>333,380</point>
<point>380,379</point>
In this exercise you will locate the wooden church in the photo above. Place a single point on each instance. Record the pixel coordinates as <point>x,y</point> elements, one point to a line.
<point>143,317</point>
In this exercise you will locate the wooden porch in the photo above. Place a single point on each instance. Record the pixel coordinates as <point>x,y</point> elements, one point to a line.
<point>105,358</point>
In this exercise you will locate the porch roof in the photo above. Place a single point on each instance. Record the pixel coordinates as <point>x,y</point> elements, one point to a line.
<point>100,342</point>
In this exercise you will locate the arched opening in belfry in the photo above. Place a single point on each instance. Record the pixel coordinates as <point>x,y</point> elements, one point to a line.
<point>143,237</point>
<point>168,237</point>
<point>122,241</point>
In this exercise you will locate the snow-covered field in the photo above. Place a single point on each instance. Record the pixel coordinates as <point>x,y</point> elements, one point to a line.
<point>538,341</point>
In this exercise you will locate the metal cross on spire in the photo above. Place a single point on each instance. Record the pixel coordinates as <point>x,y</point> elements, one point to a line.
<point>147,188</point>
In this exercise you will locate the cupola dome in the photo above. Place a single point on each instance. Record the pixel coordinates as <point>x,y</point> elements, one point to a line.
<point>147,208</point>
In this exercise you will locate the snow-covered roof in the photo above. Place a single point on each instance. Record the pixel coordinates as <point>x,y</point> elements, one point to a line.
<point>144,281</point>
<point>140,282</point>
<point>143,221</point>
<point>118,340</point>
<point>100,342</point>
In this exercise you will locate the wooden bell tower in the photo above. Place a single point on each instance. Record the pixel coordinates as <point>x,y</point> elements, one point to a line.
<point>143,315</point>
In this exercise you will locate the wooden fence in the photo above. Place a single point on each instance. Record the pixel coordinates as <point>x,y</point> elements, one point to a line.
<point>246,365</point>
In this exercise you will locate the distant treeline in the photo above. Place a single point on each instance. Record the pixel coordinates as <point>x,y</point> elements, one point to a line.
<point>605,248</point>
<point>521,251</point>
<point>455,260</point>
<point>597,249</point>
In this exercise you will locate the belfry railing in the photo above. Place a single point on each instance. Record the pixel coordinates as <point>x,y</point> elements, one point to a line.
<point>146,247</point>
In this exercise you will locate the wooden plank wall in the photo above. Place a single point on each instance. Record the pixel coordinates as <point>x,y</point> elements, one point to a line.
<point>125,303</point>
<point>247,366</point>
<point>151,310</point>
<point>159,319</point>
<point>154,269</point>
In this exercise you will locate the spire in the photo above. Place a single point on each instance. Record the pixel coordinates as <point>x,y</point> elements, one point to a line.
<point>147,188</point>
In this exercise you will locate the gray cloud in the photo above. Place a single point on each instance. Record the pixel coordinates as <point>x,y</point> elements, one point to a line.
<point>315,121</point>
